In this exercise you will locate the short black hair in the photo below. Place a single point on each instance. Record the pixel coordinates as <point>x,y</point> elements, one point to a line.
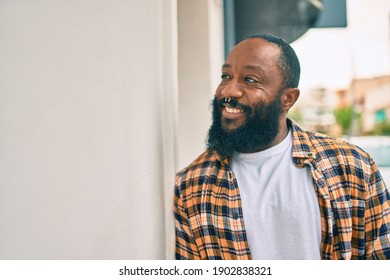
<point>288,60</point>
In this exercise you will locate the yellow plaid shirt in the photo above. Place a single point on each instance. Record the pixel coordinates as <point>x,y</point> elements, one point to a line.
<point>353,200</point>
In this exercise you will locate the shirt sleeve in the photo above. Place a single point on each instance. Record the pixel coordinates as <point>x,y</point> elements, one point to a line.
<point>378,218</point>
<point>186,248</point>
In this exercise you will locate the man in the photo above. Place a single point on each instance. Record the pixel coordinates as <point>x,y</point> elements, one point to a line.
<point>267,189</point>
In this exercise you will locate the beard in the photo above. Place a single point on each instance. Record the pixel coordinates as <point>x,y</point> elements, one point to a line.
<point>259,129</point>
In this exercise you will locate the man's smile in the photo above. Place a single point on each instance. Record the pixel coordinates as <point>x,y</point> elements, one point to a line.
<point>233,110</point>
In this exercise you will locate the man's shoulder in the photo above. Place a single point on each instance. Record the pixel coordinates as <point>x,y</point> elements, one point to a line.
<point>190,179</point>
<point>203,161</point>
<point>328,142</point>
<point>325,146</point>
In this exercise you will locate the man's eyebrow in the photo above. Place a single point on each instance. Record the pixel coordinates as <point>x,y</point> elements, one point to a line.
<point>226,66</point>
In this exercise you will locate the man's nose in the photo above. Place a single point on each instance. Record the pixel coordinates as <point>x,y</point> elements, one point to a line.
<point>233,89</point>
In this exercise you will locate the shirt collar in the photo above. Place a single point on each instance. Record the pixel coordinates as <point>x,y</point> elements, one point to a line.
<point>302,145</point>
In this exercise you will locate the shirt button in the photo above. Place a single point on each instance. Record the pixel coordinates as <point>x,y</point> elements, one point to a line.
<point>235,215</point>
<point>229,175</point>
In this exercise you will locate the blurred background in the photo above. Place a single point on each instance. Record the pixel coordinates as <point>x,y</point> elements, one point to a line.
<point>102,102</point>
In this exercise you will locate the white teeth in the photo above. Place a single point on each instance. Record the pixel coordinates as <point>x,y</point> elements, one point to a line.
<point>233,110</point>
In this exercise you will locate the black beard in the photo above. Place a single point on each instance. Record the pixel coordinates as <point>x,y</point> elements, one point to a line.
<point>259,129</point>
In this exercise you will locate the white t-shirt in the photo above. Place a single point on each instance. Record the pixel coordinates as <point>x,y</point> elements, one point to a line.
<point>280,205</point>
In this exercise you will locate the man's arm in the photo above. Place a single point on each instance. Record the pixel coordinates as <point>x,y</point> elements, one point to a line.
<point>186,248</point>
<point>377,218</point>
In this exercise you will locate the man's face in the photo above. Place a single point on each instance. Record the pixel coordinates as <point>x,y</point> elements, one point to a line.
<point>251,77</point>
<point>252,80</point>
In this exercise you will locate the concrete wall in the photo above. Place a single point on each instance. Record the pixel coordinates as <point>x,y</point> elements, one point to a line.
<point>200,26</point>
<point>87,120</point>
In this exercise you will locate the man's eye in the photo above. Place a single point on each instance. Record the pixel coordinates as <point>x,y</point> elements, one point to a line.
<point>224,76</point>
<point>250,80</point>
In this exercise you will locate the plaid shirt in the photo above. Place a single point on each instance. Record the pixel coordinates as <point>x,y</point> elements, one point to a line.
<point>353,200</point>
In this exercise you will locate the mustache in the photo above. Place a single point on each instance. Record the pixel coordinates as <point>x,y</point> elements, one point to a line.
<point>234,104</point>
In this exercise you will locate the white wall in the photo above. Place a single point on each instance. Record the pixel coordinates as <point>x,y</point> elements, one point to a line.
<point>87,123</point>
<point>200,26</point>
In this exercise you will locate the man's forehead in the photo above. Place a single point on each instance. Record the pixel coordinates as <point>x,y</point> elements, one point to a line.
<point>253,54</point>
<point>248,67</point>
<point>252,45</point>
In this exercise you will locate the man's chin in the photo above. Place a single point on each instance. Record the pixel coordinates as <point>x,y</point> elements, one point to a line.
<point>229,125</point>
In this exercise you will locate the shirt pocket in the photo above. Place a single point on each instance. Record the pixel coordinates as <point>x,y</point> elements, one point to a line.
<point>348,229</point>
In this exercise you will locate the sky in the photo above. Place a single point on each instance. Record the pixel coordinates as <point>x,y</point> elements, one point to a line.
<point>331,57</point>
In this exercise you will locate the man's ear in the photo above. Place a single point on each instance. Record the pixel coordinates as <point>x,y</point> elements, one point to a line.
<point>289,97</point>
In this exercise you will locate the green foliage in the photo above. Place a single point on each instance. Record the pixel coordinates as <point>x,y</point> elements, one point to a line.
<point>344,117</point>
<point>382,128</point>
